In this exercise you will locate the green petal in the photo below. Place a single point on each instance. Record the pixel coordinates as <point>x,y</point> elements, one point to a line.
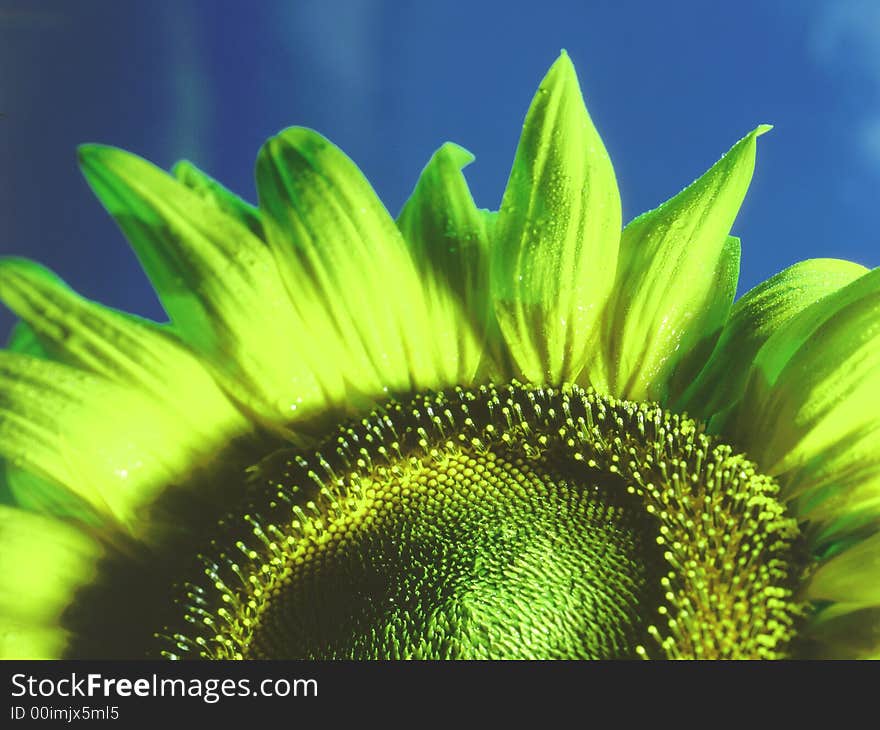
<point>117,346</point>
<point>23,339</point>
<point>852,576</point>
<point>811,422</point>
<point>839,491</point>
<point>112,446</point>
<point>36,494</point>
<point>716,314</point>
<point>355,282</point>
<point>447,236</point>
<point>780,348</point>
<point>221,288</point>
<point>845,631</point>
<point>212,191</point>
<point>555,243</point>
<point>42,564</point>
<point>668,299</point>
<point>20,639</point>
<point>756,316</point>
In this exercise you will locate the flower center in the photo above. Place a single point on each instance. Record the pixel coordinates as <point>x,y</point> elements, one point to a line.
<point>514,522</point>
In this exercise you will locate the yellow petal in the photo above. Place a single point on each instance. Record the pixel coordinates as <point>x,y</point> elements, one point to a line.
<point>554,246</point>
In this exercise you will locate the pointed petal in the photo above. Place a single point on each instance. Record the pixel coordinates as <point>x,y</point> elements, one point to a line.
<point>811,421</point>
<point>555,244</point>
<point>23,339</point>
<point>715,316</point>
<point>666,297</point>
<point>757,315</point>
<point>42,565</point>
<point>119,347</point>
<point>852,576</point>
<point>212,191</point>
<point>357,287</point>
<point>446,234</point>
<point>839,492</point>
<point>113,446</point>
<point>779,349</point>
<point>220,286</point>
<point>35,494</point>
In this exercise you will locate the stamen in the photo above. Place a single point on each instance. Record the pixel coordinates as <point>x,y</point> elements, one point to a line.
<point>498,523</point>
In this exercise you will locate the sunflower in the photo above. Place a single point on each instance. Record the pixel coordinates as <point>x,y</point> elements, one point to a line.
<point>460,434</point>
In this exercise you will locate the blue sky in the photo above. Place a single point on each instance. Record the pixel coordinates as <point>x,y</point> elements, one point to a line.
<point>670,85</point>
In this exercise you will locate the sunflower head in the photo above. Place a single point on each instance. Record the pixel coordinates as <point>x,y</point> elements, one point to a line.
<point>530,433</point>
